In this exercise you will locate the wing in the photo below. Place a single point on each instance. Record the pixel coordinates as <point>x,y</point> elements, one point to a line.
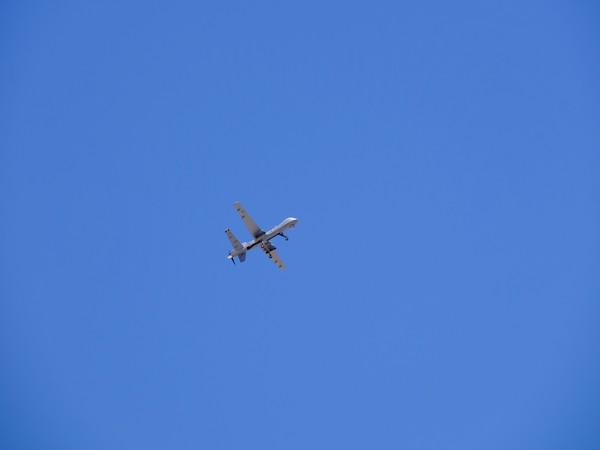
<point>254,229</point>
<point>271,252</point>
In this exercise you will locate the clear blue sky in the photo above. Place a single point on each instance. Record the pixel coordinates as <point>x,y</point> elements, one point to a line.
<point>443,282</point>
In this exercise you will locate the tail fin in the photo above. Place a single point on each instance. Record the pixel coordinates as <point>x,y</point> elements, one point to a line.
<point>236,244</point>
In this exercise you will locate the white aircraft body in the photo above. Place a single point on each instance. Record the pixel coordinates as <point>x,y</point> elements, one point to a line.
<point>261,239</point>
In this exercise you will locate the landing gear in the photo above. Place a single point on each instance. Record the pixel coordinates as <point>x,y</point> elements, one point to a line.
<point>283,236</point>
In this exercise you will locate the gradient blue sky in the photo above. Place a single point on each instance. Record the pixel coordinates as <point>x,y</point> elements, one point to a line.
<point>443,282</point>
